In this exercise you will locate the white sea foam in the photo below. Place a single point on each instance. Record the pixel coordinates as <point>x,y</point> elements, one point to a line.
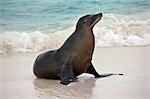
<point>121,30</point>
<point>30,41</point>
<point>112,30</point>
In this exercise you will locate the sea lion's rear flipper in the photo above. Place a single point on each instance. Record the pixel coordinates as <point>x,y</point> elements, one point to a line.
<point>91,70</point>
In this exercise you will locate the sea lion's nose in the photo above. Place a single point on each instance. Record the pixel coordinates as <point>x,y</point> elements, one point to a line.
<point>99,14</point>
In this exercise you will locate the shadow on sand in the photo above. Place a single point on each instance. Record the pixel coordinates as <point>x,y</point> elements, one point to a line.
<point>82,88</point>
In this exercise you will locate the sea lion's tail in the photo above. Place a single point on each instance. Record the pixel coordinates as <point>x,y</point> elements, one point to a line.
<point>110,74</point>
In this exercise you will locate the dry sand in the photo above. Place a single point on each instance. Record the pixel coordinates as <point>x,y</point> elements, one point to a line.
<point>18,82</point>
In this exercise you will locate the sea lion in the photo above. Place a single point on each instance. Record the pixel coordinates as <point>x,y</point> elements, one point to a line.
<point>73,57</point>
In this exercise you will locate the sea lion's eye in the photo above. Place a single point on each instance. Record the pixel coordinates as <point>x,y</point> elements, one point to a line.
<point>84,21</point>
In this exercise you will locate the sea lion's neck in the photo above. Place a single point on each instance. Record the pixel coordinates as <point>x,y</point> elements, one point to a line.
<point>83,31</point>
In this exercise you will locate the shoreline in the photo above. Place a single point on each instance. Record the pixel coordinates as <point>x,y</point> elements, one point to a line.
<point>18,81</point>
<point>41,51</point>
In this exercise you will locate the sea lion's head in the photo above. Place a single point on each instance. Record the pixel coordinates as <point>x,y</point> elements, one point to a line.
<point>88,21</point>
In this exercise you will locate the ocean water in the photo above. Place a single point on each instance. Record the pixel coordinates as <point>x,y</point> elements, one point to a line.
<point>33,25</point>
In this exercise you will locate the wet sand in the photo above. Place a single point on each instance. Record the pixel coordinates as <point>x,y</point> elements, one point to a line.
<point>18,82</point>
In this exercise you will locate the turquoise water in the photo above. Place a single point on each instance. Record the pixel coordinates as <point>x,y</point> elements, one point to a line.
<point>53,15</point>
<point>35,25</point>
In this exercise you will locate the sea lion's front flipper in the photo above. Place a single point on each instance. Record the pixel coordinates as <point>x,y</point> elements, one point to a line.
<point>108,74</point>
<point>91,70</point>
<point>66,73</point>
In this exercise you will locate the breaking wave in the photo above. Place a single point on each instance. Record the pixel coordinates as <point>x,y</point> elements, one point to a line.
<point>112,30</point>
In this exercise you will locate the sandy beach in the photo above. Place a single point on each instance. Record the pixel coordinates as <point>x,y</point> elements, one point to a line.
<point>18,82</point>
